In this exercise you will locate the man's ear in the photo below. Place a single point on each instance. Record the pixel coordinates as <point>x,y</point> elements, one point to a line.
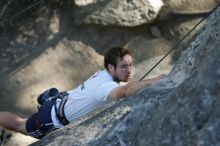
<point>110,68</point>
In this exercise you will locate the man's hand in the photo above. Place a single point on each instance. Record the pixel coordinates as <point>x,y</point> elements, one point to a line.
<point>160,77</point>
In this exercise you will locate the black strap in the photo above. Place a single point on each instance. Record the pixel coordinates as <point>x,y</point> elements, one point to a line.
<point>39,127</point>
<point>60,110</point>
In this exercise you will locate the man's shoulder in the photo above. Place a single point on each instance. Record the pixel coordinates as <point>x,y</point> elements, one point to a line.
<point>102,75</point>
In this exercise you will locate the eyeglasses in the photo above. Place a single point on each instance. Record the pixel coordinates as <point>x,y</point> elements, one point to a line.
<point>125,66</point>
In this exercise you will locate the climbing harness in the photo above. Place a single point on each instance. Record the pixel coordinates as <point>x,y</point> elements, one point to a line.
<point>179,42</point>
<point>54,95</point>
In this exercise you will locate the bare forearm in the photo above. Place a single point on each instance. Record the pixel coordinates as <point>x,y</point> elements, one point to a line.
<point>12,122</point>
<point>131,88</point>
<point>135,86</point>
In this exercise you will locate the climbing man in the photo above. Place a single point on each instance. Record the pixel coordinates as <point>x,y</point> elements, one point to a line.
<point>58,109</point>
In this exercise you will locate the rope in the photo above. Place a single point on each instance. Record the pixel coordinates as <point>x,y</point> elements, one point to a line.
<point>22,11</point>
<point>5,8</point>
<point>177,44</point>
<point>26,9</point>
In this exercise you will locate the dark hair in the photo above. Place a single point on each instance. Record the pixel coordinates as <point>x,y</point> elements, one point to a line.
<point>113,54</point>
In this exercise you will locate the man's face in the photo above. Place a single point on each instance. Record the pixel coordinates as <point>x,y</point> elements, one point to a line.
<point>122,72</point>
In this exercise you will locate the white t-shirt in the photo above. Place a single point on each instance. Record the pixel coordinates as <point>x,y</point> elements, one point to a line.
<point>88,96</point>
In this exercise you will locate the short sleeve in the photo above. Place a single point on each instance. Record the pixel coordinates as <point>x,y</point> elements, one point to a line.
<point>102,92</point>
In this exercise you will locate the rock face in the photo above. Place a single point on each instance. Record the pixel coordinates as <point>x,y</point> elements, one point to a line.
<point>182,109</point>
<point>117,12</point>
<point>190,7</point>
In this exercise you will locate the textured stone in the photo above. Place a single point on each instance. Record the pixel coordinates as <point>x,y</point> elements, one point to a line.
<point>182,109</point>
<point>191,7</point>
<point>84,2</point>
<point>117,12</point>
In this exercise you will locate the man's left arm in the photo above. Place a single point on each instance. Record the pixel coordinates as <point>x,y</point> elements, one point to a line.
<point>131,88</point>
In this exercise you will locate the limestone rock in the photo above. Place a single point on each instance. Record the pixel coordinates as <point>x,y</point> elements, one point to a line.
<point>117,12</point>
<point>189,7</point>
<point>84,2</point>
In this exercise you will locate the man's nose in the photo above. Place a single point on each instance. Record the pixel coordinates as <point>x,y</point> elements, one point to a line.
<point>129,69</point>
